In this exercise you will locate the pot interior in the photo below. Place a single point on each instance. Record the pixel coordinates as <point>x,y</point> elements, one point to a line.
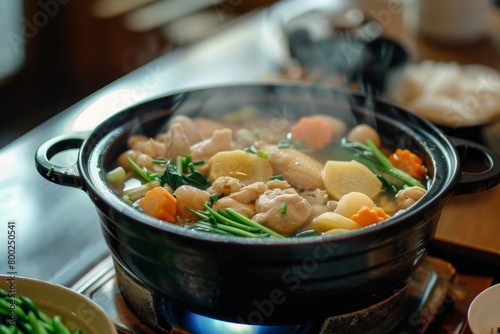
<point>278,104</point>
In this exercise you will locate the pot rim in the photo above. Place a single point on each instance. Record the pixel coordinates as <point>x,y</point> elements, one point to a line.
<point>95,184</point>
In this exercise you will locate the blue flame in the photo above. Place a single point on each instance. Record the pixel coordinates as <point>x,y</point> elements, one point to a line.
<point>204,325</point>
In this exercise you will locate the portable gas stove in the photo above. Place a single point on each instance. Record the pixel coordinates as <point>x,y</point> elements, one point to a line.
<point>413,308</point>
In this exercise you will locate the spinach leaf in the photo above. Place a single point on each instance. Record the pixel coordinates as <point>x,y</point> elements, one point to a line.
<point>176,178</point>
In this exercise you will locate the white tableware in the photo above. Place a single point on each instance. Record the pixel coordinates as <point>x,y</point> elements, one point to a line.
<point>483,314</point>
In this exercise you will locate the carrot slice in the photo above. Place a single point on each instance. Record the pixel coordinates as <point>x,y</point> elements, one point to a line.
<point>159,203</point>
<point>315,131</point>
<point>408,162</point>
<point>369,215</point>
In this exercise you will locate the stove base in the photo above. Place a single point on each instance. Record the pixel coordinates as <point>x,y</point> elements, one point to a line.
<point>411,308</point>
<point>381,317</point>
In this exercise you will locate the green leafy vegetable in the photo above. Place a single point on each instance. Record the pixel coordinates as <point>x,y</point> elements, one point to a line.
<point>285,143</point>
<point>214,198</point>
<point>284,207</point>
<point>389,167</point>
<point>259,152</point>
<point>175,174</point>
<point>159,161</point>
<point>181,171</point>
<point>392,178</point>
<point>142,173</point>
<point>263,154</point>
<point>230,222</point>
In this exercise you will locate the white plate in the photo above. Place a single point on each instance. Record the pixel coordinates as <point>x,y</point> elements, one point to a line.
<point>76,310</point>
<point>484,314</point>
<point>447,93</point>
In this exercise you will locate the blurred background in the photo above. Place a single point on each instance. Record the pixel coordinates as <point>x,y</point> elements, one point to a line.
<point>53,53</point>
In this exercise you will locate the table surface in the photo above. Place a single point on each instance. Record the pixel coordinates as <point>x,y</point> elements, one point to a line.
<point>58,235</point>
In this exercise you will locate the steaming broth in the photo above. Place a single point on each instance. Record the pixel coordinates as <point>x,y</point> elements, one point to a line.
<point>257,178</point>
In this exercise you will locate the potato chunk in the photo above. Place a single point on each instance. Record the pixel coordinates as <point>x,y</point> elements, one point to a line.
<point>246,167</point>
<point>343,177</point>
<point>330,220</point>
<point>350,203</point>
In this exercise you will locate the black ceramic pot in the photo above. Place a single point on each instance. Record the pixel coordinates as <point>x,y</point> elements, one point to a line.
<point>268,281</point>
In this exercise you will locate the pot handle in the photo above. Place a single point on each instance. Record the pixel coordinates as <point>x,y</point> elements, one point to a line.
<point>480,167</point>
<point>58,173</point>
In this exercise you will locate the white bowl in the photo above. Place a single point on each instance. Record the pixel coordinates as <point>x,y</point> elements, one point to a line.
<point>76,310</point>
<point>483,312</point>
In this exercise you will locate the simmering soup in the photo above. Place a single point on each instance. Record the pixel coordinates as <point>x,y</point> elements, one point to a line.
<point>311,176</point>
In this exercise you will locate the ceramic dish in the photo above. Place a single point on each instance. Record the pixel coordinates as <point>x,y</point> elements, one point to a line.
<point>75,310</point>
<point>448,94</point>
<point>483,312</point>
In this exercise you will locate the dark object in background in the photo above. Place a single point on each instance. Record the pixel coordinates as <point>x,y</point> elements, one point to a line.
<point>472,133</point>
<point>363,62</point>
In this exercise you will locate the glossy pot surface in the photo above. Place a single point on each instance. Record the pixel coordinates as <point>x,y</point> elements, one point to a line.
<point>269,281</point>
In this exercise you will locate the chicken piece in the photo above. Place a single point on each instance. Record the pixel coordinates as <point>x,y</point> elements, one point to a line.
<point>332,204</point>
<point>191,197</point>
<point>141,159</point>
<point>269,208</point>
<point>207,127</point>
<point>176,142</point>
<point>298,168</point>
<point>269,129</point>
<point>151,147</point>
<point>249,193</point>
<point>221,140</point>
<point>319,201</point>
<point>317,196</point>
<point>409,196</point>
<point>189,126</point>
<point>246,209</point>
<point>136,138</point>
<point>277,184</point>
<point>224,186</point>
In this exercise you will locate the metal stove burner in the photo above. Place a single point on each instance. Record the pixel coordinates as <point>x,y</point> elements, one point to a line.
<point>135,310</point>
